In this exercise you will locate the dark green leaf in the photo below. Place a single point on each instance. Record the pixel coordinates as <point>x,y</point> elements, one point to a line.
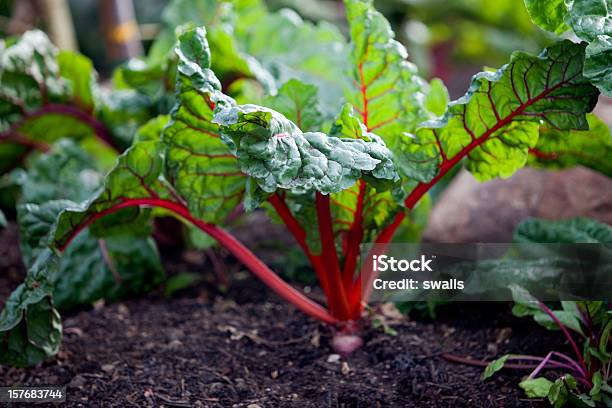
<point>576,230</point>
<point>113,268</point>
<point>591,20</point>
<point>35,222</point>
<point>30,327</point>
<point>29,75</point>
<point>275,152</point>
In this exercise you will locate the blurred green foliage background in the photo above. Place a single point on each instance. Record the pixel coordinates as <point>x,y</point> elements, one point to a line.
<point>449,39</point>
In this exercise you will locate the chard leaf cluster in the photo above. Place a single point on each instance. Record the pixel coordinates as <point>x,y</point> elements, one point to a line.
<point>338,137</point>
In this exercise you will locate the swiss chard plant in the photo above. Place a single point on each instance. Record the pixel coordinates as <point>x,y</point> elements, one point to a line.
<point>339,140</point>
<point>46,95</point>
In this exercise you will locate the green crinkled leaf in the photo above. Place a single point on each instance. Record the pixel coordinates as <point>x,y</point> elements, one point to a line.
<point>558,149</point>
<point>536,387</point>
<point>299,103</point>
<point>30,326</point>
<point>270,148</point>
<point>494,366</point>
<point>198,164</point>
<point>54,181</point>
<point>386,90</point>
<point>497,121</point>
<point>591,20</point>
<point>548,14</point>
<point>598,61</point>
<point>348,126</point>
<point>575,230</point>
<point>275,152</point>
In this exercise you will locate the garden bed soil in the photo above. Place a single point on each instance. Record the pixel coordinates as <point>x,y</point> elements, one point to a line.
<point>248,349</point>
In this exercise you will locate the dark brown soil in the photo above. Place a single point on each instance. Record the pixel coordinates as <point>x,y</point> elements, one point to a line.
<point>247,349</point>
